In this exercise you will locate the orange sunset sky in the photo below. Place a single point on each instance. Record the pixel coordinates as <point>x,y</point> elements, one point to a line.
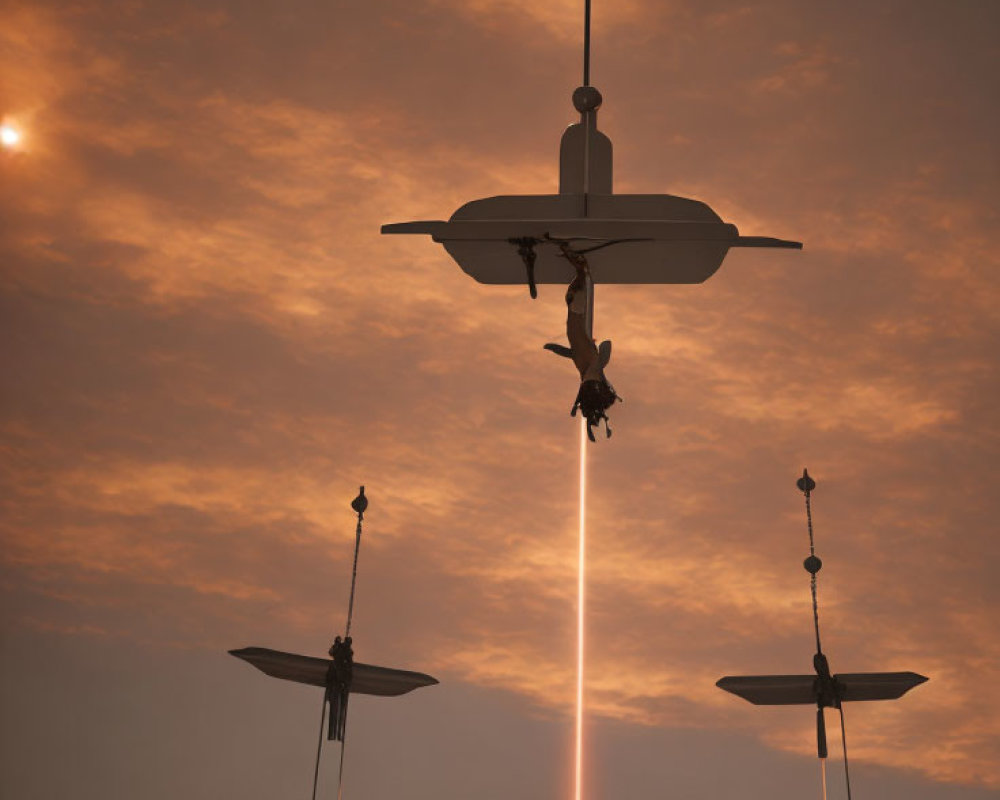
<point>208,346</point>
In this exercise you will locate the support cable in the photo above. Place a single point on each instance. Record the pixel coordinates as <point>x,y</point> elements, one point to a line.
<point>319,744</point>
<point>359,504</point>
<point>813,564</point>
<point>340,773</point>
<point>843,741</point>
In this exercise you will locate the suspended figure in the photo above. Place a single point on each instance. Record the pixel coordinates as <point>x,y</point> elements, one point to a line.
<point>642,238</point>
<point>339,680</point>
<point>596,394</point>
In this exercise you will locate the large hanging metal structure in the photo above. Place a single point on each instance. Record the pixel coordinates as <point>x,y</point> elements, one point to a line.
<point>824,690</point>
<point>588,234</point>
<point>628,238</point>
<point>340,676</point>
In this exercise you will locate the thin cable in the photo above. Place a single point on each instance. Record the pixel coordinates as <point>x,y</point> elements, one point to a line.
<point>586,43</point>
<point>319,745</point>
<point>812,580</point>
<point>843,740</point>
<point>580,586</point>
<point>340,775</point>
<point>354,575</point>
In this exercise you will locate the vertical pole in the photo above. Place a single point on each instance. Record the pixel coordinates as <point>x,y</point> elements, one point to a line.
<point>354,577</point>
<point>360,505</point>
<point>586,43</point>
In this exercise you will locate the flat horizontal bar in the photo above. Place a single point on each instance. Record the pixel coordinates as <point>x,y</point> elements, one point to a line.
<point>765,241</point>
<point>780,690</point>
<point>366,678</point>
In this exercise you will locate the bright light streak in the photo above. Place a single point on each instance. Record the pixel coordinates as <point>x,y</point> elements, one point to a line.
<point>9,136</point>
<point>580,584</point>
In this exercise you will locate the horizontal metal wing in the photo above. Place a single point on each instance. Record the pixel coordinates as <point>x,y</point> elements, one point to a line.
<point>287,666</point>
<point>386,682</point>
<point>772,690</point>
<point>765,241</point>
<point>586,229</point>
<point>367,679</point>
<point>876,685</point>
<point>657,238</point>
<point>432,227</point>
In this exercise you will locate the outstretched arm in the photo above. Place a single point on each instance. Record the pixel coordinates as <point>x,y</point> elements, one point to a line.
<point>559,349</point>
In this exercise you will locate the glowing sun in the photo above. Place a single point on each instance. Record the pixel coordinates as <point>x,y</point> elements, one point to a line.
<point>9,137</point>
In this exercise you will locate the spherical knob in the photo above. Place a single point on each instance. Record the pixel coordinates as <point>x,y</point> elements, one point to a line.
<point>360,503</point>
<point>812,565</point>
<point>587,98</point>
<point>805,483</point>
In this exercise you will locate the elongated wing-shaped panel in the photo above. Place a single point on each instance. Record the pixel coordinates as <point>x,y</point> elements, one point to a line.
<point>367,679</point>
<point>781,690</point>
<point>772,690</point>
<point>876,685</point>
<point>657,238</point>
<point>287,666</point>
<point>386,682</point>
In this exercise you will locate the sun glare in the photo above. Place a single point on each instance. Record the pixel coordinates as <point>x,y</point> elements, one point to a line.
<point>9,136</point>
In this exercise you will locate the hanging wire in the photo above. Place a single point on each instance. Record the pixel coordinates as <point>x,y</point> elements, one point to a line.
<point>812,564</point>
<point>340,773</point>
<point>586,43</point>
<point>843,741</point>
<point>359,504</point>
<point>319,744</point>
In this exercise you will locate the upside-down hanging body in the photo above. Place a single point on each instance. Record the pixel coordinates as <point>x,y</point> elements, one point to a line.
<point>596,394</point>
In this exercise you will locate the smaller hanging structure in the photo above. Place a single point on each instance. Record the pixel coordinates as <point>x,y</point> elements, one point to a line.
<point>340,676</point>
<point>823,689</point>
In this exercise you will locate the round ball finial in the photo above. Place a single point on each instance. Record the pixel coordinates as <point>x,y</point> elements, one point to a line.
<point>586,98</point>
<point>360,503</point>
<point>812,565</point>
<point>805,483</point>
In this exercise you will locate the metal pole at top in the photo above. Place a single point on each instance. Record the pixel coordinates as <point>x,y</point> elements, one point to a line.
<point>586,43</point>
<point>359,504</point>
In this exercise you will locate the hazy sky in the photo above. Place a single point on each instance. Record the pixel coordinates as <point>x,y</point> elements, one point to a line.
<point>208,346</point>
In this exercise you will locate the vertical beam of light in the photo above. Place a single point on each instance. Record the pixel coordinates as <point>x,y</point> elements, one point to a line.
<point>580,584</point>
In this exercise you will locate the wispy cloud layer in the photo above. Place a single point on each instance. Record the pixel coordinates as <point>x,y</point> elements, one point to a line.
<point>210,347</point>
